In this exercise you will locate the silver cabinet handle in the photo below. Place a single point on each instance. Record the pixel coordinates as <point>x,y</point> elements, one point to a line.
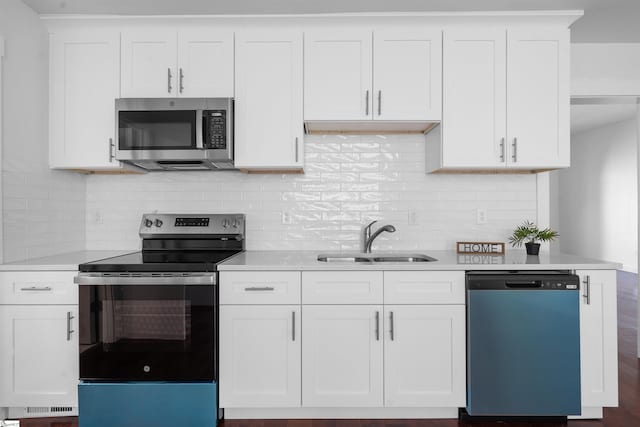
<point>377,326</point>
<point>111,147</point>
<point>259,288</point>
<point>587,289</point>
<point>297,149</point>
<point>514,153</point>
<point>392,332</point>
<point>169,88</point>
<point>367,104</point>
<point>379,102</point>
<point>69,330</point>
<point>181,81</point>
<point>293,326</point>
<point>502,149</point>
<point>36,288</point>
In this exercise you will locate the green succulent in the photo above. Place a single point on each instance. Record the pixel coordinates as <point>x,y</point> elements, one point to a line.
<point>528,232</point>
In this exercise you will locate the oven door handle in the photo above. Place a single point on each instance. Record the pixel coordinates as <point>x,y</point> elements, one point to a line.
<point>201,279</point>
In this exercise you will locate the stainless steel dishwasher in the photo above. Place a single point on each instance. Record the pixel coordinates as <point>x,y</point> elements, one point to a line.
<point>523,343</point>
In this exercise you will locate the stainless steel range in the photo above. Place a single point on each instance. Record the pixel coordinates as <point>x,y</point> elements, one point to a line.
<point>149,319</point>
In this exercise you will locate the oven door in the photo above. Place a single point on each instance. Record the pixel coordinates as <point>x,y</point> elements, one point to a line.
<point>148,328</point>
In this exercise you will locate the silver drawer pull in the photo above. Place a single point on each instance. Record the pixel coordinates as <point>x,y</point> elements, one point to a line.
<point>36,288</point>
<point>587,290</point>
<point>69,330</point>
<point>293,326</point>
<point>391,331</point>
<point>259,288</point>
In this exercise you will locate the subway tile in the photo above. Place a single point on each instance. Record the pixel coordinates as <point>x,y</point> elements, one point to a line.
<point>349,180</point>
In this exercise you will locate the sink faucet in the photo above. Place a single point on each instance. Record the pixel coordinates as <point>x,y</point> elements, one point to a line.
<point>368,238</point>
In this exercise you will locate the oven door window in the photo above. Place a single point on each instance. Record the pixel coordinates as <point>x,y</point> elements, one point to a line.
<point>146,332</point>
<point>157,130</point>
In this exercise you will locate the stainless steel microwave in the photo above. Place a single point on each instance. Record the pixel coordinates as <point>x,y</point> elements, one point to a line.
<point>175,134</point>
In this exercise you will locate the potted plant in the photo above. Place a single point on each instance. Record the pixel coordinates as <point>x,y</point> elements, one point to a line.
<point>529,234</point>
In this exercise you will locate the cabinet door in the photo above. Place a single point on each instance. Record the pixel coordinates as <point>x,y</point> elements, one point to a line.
<point>84,83</point>
<point>39,357</point>
<point>424,356</point>
<point>268,120</point>
<point>205,64</point>
<point>338,75</point>
<point>598,338</point>
<point>538,98</point>
<point>474,98</point>
<point>342,356</point>
<point>149,64</point>
<point>259,356</point>
<point>407,75</point>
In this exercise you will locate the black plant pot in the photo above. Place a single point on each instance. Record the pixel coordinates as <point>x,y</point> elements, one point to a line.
<point>532,248</point>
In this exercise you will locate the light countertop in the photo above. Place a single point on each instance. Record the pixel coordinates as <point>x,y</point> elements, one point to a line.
<point>446,260</point>
<point>62,262</point>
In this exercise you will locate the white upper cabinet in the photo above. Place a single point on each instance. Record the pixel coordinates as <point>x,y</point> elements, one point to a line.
<point>505,101</point>
<point>384,75</point>
<point>149,64</point>
<point>538,98</point>
<point>205,64</point>
<point>84,83</point>
<point>268,102</point>
<point>407,75</point>
<point>189,63</point>
<point>338,75</point>
<point>474,98</point>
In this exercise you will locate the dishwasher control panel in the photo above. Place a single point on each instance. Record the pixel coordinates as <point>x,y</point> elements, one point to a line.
<point>526,280</point>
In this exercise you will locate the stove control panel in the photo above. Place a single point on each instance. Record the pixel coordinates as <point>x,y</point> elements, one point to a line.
<point>173,225</point>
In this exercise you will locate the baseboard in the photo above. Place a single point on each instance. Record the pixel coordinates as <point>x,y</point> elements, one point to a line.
<point>590,413</point>
<point>338,413</point>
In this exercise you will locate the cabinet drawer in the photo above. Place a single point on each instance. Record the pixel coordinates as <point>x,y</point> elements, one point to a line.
<point>342,287</point>
<point>38,287</point>
<point>259,287</point>
<point>424,287</point>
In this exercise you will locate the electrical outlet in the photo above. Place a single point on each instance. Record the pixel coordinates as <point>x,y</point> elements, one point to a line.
<point>481,216</point>
<point>286,218</point>
<point>412,217</point>
<point>99,218</point>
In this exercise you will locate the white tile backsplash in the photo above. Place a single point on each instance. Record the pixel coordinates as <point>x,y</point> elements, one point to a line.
<point>349,180</point>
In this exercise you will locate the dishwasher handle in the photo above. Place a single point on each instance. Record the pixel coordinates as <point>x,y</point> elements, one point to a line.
<point>531,284</point>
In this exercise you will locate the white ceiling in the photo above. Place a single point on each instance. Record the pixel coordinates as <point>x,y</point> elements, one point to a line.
<point>604,20</point>
<point>588,117</point>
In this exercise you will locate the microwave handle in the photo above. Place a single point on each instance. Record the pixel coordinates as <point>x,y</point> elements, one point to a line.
<point>200,129</point>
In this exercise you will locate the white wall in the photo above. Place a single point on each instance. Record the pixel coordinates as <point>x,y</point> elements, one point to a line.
<point>598,195</point>
<point>605,69</point>
<point>349,180</point>
<point>43,210</point>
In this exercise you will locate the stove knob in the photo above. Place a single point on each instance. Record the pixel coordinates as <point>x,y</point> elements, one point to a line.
<point>236,223</point>
<point>158,223</point>
<point>148,222</point>
<point>225,223</point>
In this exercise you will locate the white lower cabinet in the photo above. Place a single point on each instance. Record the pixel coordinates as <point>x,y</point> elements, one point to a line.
<point>424,356</point>
<point>259,356</point>
<point>38,355</point>
<point>342,356</point>
<point>598,338</point>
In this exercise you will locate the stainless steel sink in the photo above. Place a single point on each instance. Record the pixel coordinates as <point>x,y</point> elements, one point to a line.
<point>375,257</point>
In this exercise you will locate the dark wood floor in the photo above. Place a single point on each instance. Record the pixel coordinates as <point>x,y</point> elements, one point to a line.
<point>626,415</point>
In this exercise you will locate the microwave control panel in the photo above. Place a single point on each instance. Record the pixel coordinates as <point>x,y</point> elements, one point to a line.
<point>215,132</point>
